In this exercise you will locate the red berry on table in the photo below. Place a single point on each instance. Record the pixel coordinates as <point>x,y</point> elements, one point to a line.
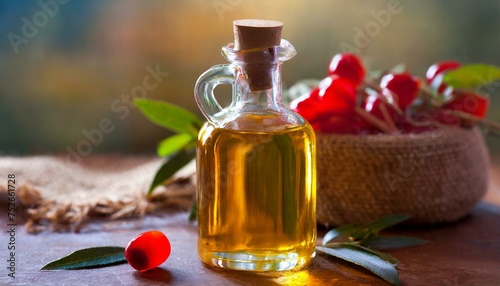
<point>347,66</point>
<point>147,250</point>
<point>337,96</point>
<point>403,87</point>
<point>439,68</point>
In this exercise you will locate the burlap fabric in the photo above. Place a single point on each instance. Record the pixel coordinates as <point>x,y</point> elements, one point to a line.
<point>434,177</point>
<point>55,194</point>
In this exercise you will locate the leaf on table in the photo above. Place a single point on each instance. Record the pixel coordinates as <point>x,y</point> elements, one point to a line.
<point>390,242</point>
<point>376,226</point>
<point>371,262</point>
<point>473,75</point>
<point>171,165</point>
<point>385,256</point>
<point>359,247</point>
<point>174,143</point>
<point>88,258</point>
<point>340,231</point>
<point>170,116</point>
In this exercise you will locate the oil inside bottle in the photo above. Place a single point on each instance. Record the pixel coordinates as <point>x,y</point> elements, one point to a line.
<point>256,197</point>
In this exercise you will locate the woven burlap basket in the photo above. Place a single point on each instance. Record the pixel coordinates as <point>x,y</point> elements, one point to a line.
<point>435,176</point>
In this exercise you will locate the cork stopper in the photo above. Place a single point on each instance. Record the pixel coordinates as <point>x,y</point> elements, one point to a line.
<point>252,34</point>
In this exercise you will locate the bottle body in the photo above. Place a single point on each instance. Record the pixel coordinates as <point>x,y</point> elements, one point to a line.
<point>256,195</point>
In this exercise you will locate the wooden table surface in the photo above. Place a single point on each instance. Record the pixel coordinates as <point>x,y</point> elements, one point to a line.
<point>462,253</point>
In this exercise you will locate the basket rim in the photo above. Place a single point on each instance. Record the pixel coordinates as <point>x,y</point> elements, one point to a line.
<point>407,137</point>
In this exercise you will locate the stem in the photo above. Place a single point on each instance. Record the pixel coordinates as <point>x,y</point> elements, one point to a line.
<point>374,120</point>
<point>387,117</point>
<point>379,90</point>
<point>488,123</point>
<point>430,97</point>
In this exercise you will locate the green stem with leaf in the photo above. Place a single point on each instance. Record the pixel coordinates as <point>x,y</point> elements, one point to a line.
<point>360,244</point>
<point>178,150</point>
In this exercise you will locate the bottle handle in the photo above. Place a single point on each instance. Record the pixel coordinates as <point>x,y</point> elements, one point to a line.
<point>204,90</point>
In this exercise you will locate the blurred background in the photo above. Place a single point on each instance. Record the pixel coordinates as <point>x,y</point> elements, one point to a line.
<point>69,67</point>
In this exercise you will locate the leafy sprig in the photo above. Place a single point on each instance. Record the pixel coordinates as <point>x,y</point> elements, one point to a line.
<point>178,150</point>
<point>360,245</point>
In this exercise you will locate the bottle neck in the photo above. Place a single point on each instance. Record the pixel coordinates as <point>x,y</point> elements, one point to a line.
<point>259,86</point>
<point>257,104</point>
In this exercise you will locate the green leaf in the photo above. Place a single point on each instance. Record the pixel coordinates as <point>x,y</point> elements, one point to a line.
<point>399,68</point>
<point>385,256</point>
<point>375,74</point>
<point>300,88</point>
<point>390,242</point>
<point>174,143</point>
<point>170,116</point>
<point>340,231</point>
<point>89,257</point>
<point>376,226</point>
<point>172,164</point>
<point>369,261</point>
<point>356,245</point>
<point>470,76</point>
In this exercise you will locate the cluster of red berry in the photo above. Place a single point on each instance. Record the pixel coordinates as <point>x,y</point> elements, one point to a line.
<point>346,102</point>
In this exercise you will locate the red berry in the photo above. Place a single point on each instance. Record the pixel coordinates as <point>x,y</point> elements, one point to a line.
<point>307,105</point>
<point>436,72</point>
<point>439,68</point>
<point>403,87</point>
<point>374,104</point>
<point>469,102</point>
<point>336,96</point>
<point>147,250</point>
<point>347,66</point>
<point>315,125</point>
<point>441,116</point>
<point>338,125</point>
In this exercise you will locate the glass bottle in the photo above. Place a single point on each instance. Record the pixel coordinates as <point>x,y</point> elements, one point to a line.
<point>256,168</point>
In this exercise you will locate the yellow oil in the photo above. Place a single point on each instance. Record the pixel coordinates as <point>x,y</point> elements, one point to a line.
<point>256,197</point>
